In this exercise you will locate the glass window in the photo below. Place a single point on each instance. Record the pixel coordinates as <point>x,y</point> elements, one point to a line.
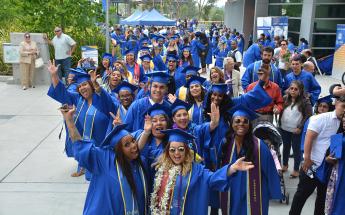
<point>323,40</point>
<point>294,25</point>
<point>330,11</point>
<point>294,37</point>
<point>285,10</point>
<point>327,26</point>
<point>285,1</point>
<point>329,1</point>
<point>319,53</point>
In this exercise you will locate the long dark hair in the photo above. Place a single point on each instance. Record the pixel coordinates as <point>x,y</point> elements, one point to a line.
<point>190,99</point>
<point>247,145</point>
<point>300,98</point>
<point>225,105</point>
<point>126,166</point>
<point>166,137</point>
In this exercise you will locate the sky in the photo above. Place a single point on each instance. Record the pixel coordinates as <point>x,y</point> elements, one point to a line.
<point>220,3</point>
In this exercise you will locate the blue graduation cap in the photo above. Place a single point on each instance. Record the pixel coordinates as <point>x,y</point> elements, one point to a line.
<point>241,110</point>
<point>178,135</point>
<point>178,105</point>
<point>146,57</point>
<point>186,48</point>
<point>145,48</point>
<point>125,86</point>
<point>144,40</point>
<point>80,75</point>
<point>159,109</point>
<point>172,57</point>
<point>159,38</point>
<point>159,76</point>
<point>144,79</point>
<point>325,99</point>
<point>336,147</point>
<point>114,137</point>
<point>195,80</point>
<point>130,51</point>
<point>219,88</point>
<point>109,57</point>
<point>190,70</point>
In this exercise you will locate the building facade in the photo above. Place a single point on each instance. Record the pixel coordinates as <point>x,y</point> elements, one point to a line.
<point>314,20</point>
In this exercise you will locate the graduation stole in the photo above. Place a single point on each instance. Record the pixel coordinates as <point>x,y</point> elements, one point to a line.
<point>121,111</point>
<point>136,71</point>
<point>130,203</point>
<point>191,113</point>
<point>177,201</point>
<point>88,120</point>
<point>182,93</point>
<point>254,198</point>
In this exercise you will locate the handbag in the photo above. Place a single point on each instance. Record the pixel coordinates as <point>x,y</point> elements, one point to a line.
<point>39,62</point>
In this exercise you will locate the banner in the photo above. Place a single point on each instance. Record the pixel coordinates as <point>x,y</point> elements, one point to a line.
<point>11,53</point>
<point>90,56</point>
<point>273,26</point>
<point>339,55</point>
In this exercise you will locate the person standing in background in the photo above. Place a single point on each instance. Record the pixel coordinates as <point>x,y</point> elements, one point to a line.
<point>64,47</point>
<point>28,53</point>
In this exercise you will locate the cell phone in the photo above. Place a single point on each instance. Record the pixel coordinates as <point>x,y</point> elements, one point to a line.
<point>65,107</point>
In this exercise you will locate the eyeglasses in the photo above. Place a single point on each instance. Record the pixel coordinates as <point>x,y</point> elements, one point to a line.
<point>27,36</point>
<point>283,44</point>
<point>57,30</point>
<point>243,121</point>
<point>173,150</point>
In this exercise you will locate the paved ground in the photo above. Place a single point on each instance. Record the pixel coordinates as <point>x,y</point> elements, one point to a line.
<point>34,171</point>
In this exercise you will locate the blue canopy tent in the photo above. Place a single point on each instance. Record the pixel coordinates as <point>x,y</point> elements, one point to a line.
<point>135,15</point>
<point>135,21</point>
<point>155,18</point>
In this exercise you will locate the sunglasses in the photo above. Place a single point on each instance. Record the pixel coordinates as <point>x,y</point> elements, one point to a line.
<point>57,30</point>
<point>171,61</point>
<point>243,121</point>
<point>180,149</point>
<point>27,36</point>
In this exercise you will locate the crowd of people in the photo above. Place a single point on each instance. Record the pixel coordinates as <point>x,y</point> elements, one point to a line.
<point>165,124</point>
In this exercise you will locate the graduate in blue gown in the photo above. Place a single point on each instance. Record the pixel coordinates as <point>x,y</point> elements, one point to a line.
<point>158,90</point>
<point>181,186</point>
<point>119,183</point>
<point>196,47</point>
<point>126,94</point>
<point>247,192</point>
<point>202,132</point>
<point>335,195</point>
<point>188,72</point>
<point>221,52</point>
<point>195,97</point>
<point>133,67</point>
<point>251,74</point>
<point>186,57</point>
<point>311,86</point>
<point>252,54</point>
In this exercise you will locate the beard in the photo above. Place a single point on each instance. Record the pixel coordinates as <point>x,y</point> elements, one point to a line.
<point>266,61</point>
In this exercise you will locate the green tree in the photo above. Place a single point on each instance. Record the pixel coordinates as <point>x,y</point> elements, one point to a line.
<point>216,14</point>
<point>204,7</point>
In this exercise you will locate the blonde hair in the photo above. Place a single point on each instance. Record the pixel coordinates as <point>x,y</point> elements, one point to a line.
<point>165,161</point>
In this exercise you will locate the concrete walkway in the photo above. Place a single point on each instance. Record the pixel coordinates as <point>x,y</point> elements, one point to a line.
<point>35,172</point>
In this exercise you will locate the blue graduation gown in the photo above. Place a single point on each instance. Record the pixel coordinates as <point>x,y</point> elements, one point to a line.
<point>194,188</point>
<point>86,116</point>
<point>196,46</point>
<point>237,186</point>
<point>209,53</point>
<point>196,114</point>
<point>250,75</point>
<point>142,94</point>
<point>310,84</point>
<point>105,194</point>
<point>339,193</point>
<point>220,55</point>
<point>135,113</point>
<point>251,55</point>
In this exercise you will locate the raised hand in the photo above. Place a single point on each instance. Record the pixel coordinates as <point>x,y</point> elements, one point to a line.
<point>214,116</point>
<point>171,98</point>
<point>117,120</point>
<point>148,124</point>
<point>67,112</point>
<point>241,165</point>
<point>53,70</point>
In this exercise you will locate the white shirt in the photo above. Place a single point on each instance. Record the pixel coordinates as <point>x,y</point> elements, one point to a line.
<point>62,45</point>
<point>291,118</point>
<point>238,55</point>
<point>326,125</point>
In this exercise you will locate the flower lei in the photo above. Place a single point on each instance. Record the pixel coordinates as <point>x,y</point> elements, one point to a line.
<point>163,209</point>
